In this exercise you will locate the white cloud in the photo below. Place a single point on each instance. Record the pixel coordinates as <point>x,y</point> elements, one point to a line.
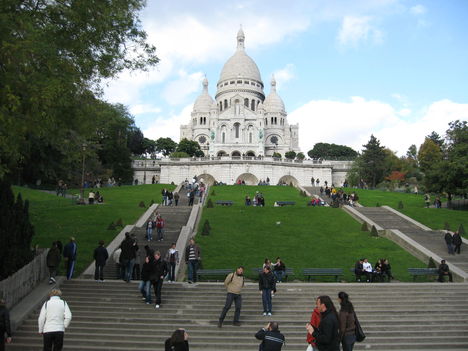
<point>284,75</point>
<point>351,123</point>
<point>144,108</point>
<point>357,29</point>
<point>168,127</point>
<point>418,10</point>
<point>177,91</point>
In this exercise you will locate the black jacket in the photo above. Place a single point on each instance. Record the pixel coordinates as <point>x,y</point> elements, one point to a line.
<point>267,281</point>
<point>127,247</point>
<point>158,270</point>
<point>180,346</point>
<point>101,255</point>
<point>4,322</point>
<point>456,239</point>
<point>146,271</point>
<point>271,340</point>
<point>53,257</point>
<point>448,238</point>
<point>327,335</point>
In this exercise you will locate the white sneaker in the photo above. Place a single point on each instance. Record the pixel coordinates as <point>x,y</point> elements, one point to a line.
<point>269,314</point>
<point>264,313</point>
<point>157,306</point>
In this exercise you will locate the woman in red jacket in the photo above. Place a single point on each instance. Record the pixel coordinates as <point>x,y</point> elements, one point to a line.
<point>314,321</point>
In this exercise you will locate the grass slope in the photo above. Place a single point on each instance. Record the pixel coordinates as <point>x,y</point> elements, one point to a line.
<point>414,207</point>
<point>57,218</point>
<point>305,237</point>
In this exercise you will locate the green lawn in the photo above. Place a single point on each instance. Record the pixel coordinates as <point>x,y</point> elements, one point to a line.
<point>304,237</point>
<point>414,207</point>
<point>57,218</point>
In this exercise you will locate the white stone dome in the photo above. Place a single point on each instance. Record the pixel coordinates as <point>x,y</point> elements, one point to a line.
<point>204,102</point>
<point>240,65</point>
<point>273,102</point>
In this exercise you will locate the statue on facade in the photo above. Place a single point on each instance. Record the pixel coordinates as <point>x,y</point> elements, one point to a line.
<point>260,133</point>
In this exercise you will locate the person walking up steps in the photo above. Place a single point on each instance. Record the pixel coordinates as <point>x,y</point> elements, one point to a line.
<point>4,325</point>
<point>69,252</point>
<point>160,227</point>
<point>53,261</point>
<point>54,318</point>
<point>234,283</point>
<point>100,256</point>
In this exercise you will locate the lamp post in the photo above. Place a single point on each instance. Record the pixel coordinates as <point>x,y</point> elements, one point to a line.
<point>82,201</point>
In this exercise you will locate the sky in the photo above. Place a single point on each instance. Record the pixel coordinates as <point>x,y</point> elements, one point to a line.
<point>397,69</point>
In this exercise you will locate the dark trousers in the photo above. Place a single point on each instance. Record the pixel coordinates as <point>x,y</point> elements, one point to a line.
<point>237,298</point>
<point>172,266</point>
<point>157,286</point>
<point>442,274</point>
<point>457,248</point>
<point>99,272</point>
<point>53,341</point>
<point>70,268</point>
<point>2,340</point>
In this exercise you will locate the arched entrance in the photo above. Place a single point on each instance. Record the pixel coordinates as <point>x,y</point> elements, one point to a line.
<point>235,154</point>
<point>287,180</point>
<point>221,153</point>
<point>250,153</point>
<point>248,178</point>
<point>206,178</point>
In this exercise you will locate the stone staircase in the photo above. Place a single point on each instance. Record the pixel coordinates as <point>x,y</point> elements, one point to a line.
<point>432,240</point>
<point>111,316</point>
<point>175,217</point>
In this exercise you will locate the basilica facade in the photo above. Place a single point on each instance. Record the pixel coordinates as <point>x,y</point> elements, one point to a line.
<point>241,120</point>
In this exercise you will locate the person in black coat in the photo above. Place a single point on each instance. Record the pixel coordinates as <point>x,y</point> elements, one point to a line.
<point>272,339</point>
<point>177,342</point>
<point>457,241</point>
<point>327,334</point>
<point>158,272</point>
<point>267,286</point>
<point>4,325</point>
<point>100,256</point>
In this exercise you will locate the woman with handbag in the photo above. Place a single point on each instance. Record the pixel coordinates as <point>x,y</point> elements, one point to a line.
<point>347,322</point>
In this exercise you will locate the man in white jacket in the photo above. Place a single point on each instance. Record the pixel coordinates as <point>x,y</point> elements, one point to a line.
<point>55,316</point>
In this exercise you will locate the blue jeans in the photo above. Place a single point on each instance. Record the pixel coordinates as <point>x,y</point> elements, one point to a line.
<point>192,270</point>
<point>348,342</point>
<point>172,266</point>
<point>160,233</point>
<point>127,269</point>
<point>145,289</point>
<point>279,275</point>
<point>149,234</point>
<point>266,300</point>
<point>237,298</point>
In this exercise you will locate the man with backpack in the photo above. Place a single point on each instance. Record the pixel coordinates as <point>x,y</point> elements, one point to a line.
<point>234,283</point>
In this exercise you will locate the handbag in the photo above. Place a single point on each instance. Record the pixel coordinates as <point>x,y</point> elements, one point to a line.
<point>310,348</point>
<point>360,336</point>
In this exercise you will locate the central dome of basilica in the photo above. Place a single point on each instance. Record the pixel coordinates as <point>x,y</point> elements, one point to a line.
<point>240,65</point>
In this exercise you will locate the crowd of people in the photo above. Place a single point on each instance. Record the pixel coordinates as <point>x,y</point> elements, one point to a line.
<point>258,200</point>
<point>338,196</point>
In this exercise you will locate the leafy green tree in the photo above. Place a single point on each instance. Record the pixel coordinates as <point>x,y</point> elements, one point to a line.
<point>191,147</point>
<point>290,155</point>
<point>436,138</point>
<point>180,154</point>
<point>277,155</point>
<point>429,155</point>
<point>332,151</point>
<point>53,56</point>
<point>166,146</point>
<point>135,141</point>
<point>300,156</point>
<point>373,162</point>
<point>150,147</point>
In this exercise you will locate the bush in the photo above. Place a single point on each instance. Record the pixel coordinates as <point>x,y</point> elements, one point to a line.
<point>364,227</point>
<point>377,204</point>
<point>213,193</point>
<point>119,223</point>
<point>374,232</point>
<point>446,226</point>
<point>16,232</point>
<point>209,204</point>
<point>206,228</point>
<point>111,226</point>
<point>400,205</point>
<point>461,230</point>
<point>431,263</point>
<point>141,204</point>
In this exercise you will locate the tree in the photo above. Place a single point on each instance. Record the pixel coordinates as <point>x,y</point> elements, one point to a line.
<point>180,154</point>
<point>436,138</point>
<point>53,56</point>
<point>135,141</point>
<point>429,155</point>
<point>300,156</point>
<point>166,146</point>
<point>373,162</point>
<point>277,155</point>
<point>332,151</point>
<point>150,147</point>
<point>16,232</point>
<point>290,155</point>
<point>191,147</point>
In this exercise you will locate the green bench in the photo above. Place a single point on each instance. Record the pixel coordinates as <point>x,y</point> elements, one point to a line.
<point>415,272</point>
<point>288,272</point>
<point>219,273</point>
<point>224,203</point>
<point>322,272</point>
<point>284,203</point>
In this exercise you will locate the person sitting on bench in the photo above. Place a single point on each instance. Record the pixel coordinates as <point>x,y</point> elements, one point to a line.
<point>444,270</point>
<point>367,268</point>
<point>358,270</point>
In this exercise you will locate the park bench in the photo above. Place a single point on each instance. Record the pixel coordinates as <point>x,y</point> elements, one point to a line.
<point>224,203</point>
<point>219,273</point>
<point>415,272</point>
<point>321,272</point>
<point>288,272</point>
<point>284,203</point>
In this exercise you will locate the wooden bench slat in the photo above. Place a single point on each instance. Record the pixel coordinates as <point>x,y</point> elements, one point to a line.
<point>311,272</point>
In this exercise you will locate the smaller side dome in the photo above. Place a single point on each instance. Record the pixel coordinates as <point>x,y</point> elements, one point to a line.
<point>273,102</point>
<point>204,102</point>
